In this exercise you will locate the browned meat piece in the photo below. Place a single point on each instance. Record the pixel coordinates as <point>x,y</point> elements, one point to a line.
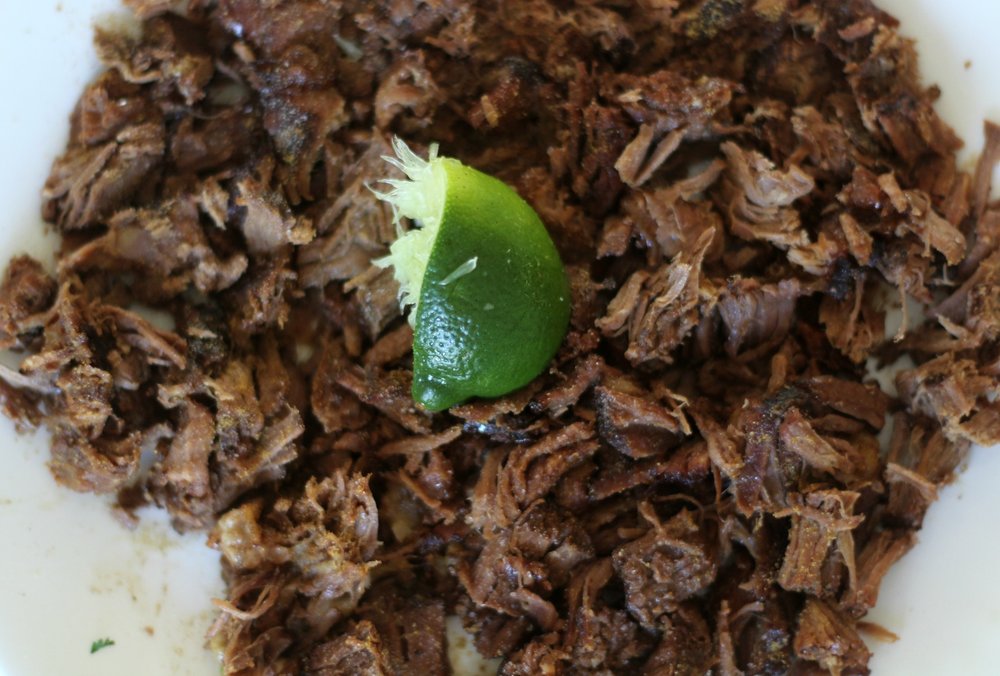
<point>864,401</point>
<point>358,651</point>
<point>973,305</point>
<point>674,217</point>
<point>762,632</point>
<point>949,390</point>
<point>89,183</point>
<point>352,229</point>
<point>827,142</point>
<point>559,399</point>
<point>107,106</point>
<point>667,100</point>
<point>539,656</point>
<point>919,461</point>
<point>922,220</point>
<point>279,383</point>
<point>376,297</point>
<point>97,428</point>
<point>983,180</point>
<point>672,562</point>
<point>86,393</point>
<point>267,223</point>
<point>760,196</point>
<point>799,437</point>
<point>876,557</point>
<point>183,481</point>
<point>389,392</point>
<point>820,522</point>
<point>658,310</point>
<point>212,144</point>
<point>859,241</point>
<point>294,567</point>
<point>695,484</point>
<point>762,478</point>
<point>686,645</point>
<point>262,461</point>
<point>408,93</point>
<point>510,481</point>
<point>26,290</point>
<point>638,426</point>
<point>391,346</point>
<point>261,299</point>
<point>685,466</point>
<point>826,636</point>
<point>166,247</point>
<point>599,637</point>
<point>572,229</point>
<point>511,93</point>
<point>755,314</point>
<point>411,629</point>
<point>632,165</point>
<point>496,634</point>
<point>284,58</point>
<point>519,567</point>
<point>101,466</point>
<point>170,52</point>
<point>987,239</point>
<point>497,418</point>
<point>335,407</point>
<point>853,325</point>
<point>596,181</point>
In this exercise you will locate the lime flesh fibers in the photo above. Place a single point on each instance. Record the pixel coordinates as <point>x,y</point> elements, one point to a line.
<point>419,197</point>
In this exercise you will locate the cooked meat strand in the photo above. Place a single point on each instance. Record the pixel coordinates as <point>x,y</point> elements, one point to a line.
<point>696,484</point>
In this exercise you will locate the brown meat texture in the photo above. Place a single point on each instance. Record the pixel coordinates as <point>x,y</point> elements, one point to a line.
<point>357,650</point>
<point>26,291</point>
<point>671,563</point>
<point>706,478</point>
<point>826,636</point>
<point>294,567</point>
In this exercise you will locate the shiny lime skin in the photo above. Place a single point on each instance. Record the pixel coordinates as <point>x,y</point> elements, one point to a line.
<point>495,328</point>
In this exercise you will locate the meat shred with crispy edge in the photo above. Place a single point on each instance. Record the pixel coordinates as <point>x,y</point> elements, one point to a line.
<point>696,484</point>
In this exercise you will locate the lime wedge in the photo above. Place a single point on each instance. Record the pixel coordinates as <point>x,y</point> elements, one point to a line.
<point>490,298</point>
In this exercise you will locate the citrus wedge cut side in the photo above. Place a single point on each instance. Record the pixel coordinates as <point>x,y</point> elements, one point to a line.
<point>490,296</point>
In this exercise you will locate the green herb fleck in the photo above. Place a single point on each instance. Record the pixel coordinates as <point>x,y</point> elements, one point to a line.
<point>100,644</point>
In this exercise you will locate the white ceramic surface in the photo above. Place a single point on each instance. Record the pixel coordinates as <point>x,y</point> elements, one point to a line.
<point>70,574</point>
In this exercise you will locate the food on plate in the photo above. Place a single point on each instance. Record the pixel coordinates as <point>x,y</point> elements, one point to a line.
<point>705,476</point>
<point>489,294</point>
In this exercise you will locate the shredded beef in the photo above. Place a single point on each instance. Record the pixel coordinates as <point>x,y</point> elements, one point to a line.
<point>696,484</point>
<point>25,292</point>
